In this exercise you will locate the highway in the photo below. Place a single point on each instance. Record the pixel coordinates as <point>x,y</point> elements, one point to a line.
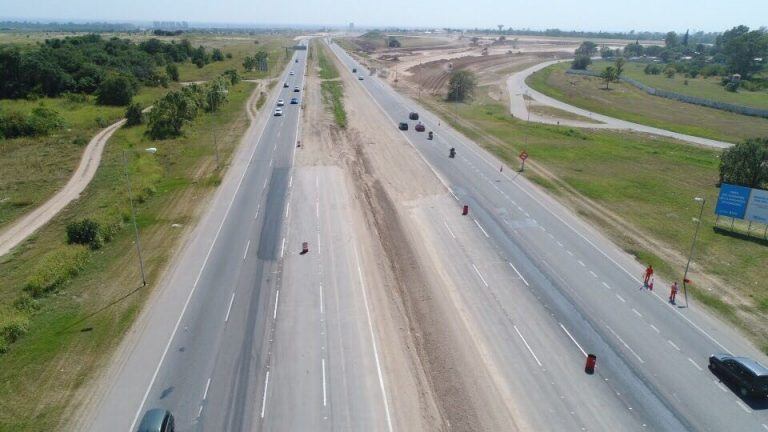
<point>246,333</point>
<point>540,288</point>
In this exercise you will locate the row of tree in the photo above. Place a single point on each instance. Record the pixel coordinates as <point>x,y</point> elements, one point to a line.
<point>746,164</point>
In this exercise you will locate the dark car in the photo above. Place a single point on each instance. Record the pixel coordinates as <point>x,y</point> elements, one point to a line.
<point>285,85</point>
<point>748,375</point>
<point>402,126</point>
<point>354,70</point>
<point>295,89</point>
<point>420,127</point>
<point>413,116</point>
<point>294,101</point>
<point>157,420</point>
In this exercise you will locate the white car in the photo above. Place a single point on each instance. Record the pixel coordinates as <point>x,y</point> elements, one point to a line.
<point>278,112</point>
<point>360,77</point>
<point>280,102</point>
<point>291,73</point>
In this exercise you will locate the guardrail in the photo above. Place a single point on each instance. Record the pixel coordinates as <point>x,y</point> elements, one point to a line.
<point>738,109</point>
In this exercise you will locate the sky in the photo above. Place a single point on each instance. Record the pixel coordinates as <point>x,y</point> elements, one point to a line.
<point>608,15</point>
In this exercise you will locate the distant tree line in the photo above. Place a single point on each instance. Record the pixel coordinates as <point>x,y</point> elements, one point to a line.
<point>70,27</point>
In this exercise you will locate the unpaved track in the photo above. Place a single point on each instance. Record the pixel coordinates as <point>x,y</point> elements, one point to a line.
<point>31,222</point>
<point>518,89</point>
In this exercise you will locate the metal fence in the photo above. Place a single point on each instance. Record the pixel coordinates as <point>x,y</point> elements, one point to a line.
<point>739,109</point>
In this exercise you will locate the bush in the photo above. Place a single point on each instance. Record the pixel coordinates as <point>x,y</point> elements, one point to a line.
<point>55,269</point>
<point>85,232</point>
<point>26,304</point>
<point>41,121</point>
<point>232,75</point>
<point>217,55</point>
<point>732,86</point>
<point>173,71</point>
<point>670,72</point>
<point>581,62</point>
<point>744,164</point>
<point>14,330</point>
<point>652,69</point>
<point>133,115</point>
<point>116,89</point>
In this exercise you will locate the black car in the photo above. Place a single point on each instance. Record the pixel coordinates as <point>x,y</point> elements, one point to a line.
<point>157,420</point>
<point>402,126</point>
<point>295,89</point>
<point>285,85</point>
<point>748,375</point>
<point>294,101</point>
<point>413,116</point>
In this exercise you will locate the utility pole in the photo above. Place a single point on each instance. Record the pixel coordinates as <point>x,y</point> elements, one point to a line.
<point>133,218</point>
<point>693,245</point>
<point>216,149</point>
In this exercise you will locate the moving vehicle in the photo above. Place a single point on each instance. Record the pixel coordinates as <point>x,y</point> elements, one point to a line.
<point>297,60</point>
<point>285,85</point>
<point>420,127</point>
<point>452,153</point>
<point>294,101</point>
<point>280,102</point>
<point>429,135</point>
<point>748,375</point>
<point>278,112</point>
<point>354,70</point>
<point>157,420</point>
<point>413,116</point>
<point>291,73</point>
<point>402,126</point>
<point>296,89</point>
<point>360,77</point>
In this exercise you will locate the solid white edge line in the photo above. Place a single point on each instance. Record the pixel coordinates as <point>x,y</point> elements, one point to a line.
<point>527,346</point>
<point>518,273</point>
<point>574,340</point>
<point>264,397</point>
<point>373,341</point>
<point>248,245</point>
<point>481,276</point>
<point>277,299</point>
<point>481,227</point>
<point>324,391</point>
<point>282,248</point>
<point>229,309</point>
<point>207,385</point>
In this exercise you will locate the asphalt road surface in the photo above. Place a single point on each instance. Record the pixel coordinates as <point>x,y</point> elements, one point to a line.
<point>517,88</point>
<point>542,289</point>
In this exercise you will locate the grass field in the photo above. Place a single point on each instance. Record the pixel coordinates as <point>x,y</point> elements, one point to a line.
<point>707,88</point>
<point>331,88</point>
<point>629,103</point>
<point>649,183</point>
<point>71,332</point>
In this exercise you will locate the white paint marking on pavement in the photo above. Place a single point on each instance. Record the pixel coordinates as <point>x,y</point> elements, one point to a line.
<point>654,327</point>
<point>287,209</point>
<point>637,313</point>
<point>569,252</point>
<point>593,273</point>
<point>448,228</point>
<point>481,276</point>
<point>229,309</point>
<point>481,228</point>
<point>574,340</point>
<point>264,397</point>
<point>290,181</point>
<point>256,216</point>
<point>317,209</point>
<point>200,411</point>
<point>322,302</point>
<point>621,298</point>
<point>765,426</point>
<point>248,245</point>
<point>205,394</point>
<point>625,344</point>
<point>324,392</point>
<point>673,345</point>
<point>373,341</point>
<point>560,244</point>
<point>582,263</point>
<point>270,162</point>
<point>265,183</point>
<point>744,407</point>
<point>277,299</point>
<point>527,346</point>
<point>606,285</point>
<point>722,387</point>
<point>518,273</point>
<point>694,364</point>
<point>282,248</point>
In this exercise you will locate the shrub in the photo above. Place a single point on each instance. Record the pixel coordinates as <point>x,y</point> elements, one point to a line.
<point>581,62</point>
<point>133,115</point>
<point>116,89</point>
<point>26,304</point>
<point>55,269</point>
<point>732,86</point>
<point>670,72</point>
<point>14,330</point>
<point>232,75</point>
<point>85,232</point>
<point>41,121</point>
<point>173,71</point>
<point>217,55</point>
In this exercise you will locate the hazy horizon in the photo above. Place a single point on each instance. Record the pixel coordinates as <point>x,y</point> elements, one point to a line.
<point>588,15</point>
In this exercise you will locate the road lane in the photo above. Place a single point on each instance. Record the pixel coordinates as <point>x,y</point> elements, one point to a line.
<point>528,229</point>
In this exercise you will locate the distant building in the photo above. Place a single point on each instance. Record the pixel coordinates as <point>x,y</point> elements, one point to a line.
<point>170,25</point>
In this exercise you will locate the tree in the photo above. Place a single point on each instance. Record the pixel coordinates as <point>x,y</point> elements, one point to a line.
<point>685,38</point>
<point>741,47</point>
<point>619,65</point>
<point>608,75</point>
<point>217,55</point>
<point>261,60</point>
<point>670,71</point>
<point>393,42</point>
<point>671,40</point>
<point>746,164</point>
<point>232,75</point>
<point>85,232</point>
<point>249,63</point>
<point>633,50</point>
<point>133,115</point>
<point>606,52</point>
<point>173,71</point>
<point>170,113</point>
<point>215,95</point>
<point>581,62</point>
<point>587,48</point>
<point>461,85</point>
<point>116,89</point>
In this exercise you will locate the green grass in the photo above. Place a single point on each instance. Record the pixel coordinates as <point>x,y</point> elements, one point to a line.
<point>327,68</point>
<point>629,103</point>
<point>648,182</point>
<point>707,88</point>
<point>331,89</point>
<point>73,330</point>
<point>34,168</point>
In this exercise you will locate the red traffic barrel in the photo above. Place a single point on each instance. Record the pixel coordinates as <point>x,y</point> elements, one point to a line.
<point>465,210</point>
<point>591,361</point>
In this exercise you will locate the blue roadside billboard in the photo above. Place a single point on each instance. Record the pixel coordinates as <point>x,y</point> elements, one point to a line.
<point>757,209</point>
<point>732,201</point>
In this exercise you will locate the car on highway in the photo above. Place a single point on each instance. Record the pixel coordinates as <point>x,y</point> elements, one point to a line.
<point>278,112</point>
<point>296,89</point>
<point>360,77</point>
<point>297,60</point>
<point>749,376</point>
<point>157,420</point>
<point>280,102</point>
<point>285,85</point>
<point>420,127</point>
<point>402,126</point>
<point>413,116</point>
<point>294,101</point>
<point>354,70</point>
<point>291,73</point>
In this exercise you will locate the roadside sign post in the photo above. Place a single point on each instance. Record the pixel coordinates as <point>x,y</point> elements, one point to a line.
<point>523,156</point>
<point>693,245</point>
